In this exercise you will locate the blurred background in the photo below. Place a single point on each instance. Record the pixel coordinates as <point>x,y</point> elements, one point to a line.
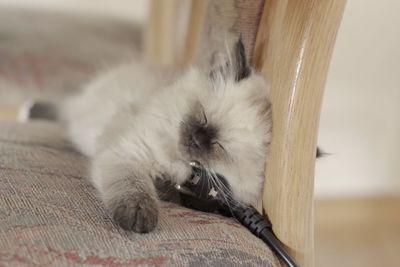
<point>357,183</point>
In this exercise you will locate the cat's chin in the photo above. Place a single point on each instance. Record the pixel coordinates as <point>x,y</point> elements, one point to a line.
<point>179,171</point>
<point>248,196</point>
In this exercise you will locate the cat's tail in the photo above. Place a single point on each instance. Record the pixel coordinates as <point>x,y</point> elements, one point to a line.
<point>48,109</point>
<point>43,111</point>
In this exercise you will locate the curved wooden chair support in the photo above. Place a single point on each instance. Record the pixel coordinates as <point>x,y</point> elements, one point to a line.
<point>293,50</point>
<point>163,31</point>
<point>290,42</point>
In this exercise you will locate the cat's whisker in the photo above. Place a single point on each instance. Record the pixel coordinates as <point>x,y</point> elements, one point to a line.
<point>228,198</point>
<point>214,175</point>
<point>215,181</point>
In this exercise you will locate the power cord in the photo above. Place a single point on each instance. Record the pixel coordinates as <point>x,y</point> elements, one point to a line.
<point>199,192</point>
<point>261,227</point>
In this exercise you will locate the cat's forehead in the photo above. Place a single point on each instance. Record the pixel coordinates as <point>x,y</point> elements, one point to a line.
<point>232,98</point>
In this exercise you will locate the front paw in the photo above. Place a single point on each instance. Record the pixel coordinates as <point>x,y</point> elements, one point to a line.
<point>137,212</point>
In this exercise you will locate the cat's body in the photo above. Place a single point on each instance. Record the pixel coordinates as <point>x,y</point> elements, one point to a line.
<point>139,124</point>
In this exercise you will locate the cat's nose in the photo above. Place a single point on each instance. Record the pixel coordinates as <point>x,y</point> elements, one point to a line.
<point>201,138</point>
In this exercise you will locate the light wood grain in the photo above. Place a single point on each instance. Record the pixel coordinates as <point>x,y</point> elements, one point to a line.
<point>293,50</point>
<point>196,20</point>
<point>162,31</point>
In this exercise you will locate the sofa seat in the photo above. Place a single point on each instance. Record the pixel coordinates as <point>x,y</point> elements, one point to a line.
<point>50,215</point>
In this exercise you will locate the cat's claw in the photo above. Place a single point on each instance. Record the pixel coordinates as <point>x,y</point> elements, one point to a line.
<point>137,212</point>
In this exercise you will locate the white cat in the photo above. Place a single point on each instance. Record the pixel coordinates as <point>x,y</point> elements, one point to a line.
<point>140,124</point>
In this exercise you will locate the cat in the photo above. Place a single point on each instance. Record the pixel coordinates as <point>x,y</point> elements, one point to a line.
<point>141,125</point>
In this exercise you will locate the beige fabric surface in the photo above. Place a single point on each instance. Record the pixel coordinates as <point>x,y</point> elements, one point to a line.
<point>50,216</point>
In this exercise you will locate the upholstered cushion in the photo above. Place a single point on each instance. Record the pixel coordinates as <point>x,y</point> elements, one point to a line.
<point>50,216</point>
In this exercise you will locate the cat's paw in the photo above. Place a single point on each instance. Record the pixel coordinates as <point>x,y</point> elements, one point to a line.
<point>137,212</point>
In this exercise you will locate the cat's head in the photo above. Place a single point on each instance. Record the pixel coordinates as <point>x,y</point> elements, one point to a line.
<point>227,125</point>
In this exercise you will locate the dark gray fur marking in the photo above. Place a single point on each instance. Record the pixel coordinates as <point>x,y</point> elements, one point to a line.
<point>241,65</point>
<point>137,212</point>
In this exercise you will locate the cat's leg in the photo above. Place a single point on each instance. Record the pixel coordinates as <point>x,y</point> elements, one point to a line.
<point>127,191</point>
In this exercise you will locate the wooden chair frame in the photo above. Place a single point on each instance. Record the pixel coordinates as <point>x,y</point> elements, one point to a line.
<point>293,47</point>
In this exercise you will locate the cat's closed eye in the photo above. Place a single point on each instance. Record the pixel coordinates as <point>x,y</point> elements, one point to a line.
<point>217,145</point>
<point>199,136</point>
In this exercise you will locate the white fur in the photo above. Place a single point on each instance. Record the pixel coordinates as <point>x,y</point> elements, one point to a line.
<point>132,115</point>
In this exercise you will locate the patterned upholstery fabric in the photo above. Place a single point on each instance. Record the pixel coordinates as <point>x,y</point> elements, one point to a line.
<point>50,216</point>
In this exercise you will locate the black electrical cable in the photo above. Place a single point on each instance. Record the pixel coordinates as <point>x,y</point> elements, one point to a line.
<point>262,228</point>
<point>196,194</point>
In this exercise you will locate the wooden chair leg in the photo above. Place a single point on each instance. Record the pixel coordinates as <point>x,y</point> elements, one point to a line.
<point>195,26</point>
<point>164,29</point>
<point>293,50</point>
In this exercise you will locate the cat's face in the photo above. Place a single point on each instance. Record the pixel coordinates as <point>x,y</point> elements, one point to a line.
<point>227,127</point>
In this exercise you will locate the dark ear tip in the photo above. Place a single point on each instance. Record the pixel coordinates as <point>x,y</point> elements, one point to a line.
<point>242,67</point>
<point>238,66</point>
<point>239,45</point>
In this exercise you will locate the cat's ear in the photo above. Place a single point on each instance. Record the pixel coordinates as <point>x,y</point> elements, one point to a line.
<point>240,64</point>
<point>235,67</point>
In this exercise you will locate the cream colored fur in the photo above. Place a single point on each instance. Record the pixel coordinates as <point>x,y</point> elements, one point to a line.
<point>128,121</point>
